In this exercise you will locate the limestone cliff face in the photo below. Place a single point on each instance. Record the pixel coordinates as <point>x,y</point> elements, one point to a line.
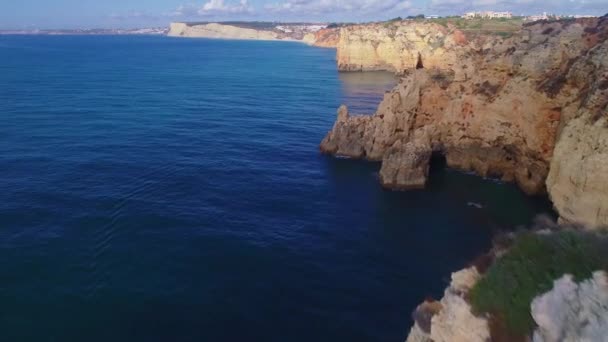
<point>578,177</point>
<point>451,319</point>
<point>499,108</point>
<point>400,46</point>
<point>570,312</point>
<point>573,312</point>
<point>215,30</point>
<point>327,37</point>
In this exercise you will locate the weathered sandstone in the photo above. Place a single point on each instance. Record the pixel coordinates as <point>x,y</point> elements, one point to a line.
<point>405,166</point>
<point>573,312</point>
<point>578,177</point>
<point>531,109</point>
<point>570,312</point>
<point>215,30</point>
<point>327,37</point>
<point>451,319</point>
<point>399,46</point>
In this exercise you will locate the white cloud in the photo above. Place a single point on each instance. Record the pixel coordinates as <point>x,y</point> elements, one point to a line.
<point>364,10</point>
<point>219,6</point>
<point>518,6</point>
<point>327,6</point>
<point>213,8</point>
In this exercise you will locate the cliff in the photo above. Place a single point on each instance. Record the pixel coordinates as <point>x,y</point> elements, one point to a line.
<point>215,30</point>
<point>578,177</point>
<point>531,109</point>
<point>451,319</point>
<point>311,34</point>
<point>569,312</point>
<point>517,293</point>
<point>327,38</point>
<point>398,46</point>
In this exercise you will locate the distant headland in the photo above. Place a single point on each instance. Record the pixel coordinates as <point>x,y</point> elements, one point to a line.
<point>319,34</point>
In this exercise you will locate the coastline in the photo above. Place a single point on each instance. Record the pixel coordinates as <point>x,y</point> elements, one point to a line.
<point>313,35</point>
<point>484,105</point>
<point>242,39</point>
<point>208,158</point>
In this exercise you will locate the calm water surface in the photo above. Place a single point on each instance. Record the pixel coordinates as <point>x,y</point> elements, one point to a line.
<point>157,189</point>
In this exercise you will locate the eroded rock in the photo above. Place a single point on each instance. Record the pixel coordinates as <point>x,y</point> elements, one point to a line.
<point>531,109</point>
<point>573,312</point>
<point>451,318</point>
<point>578,177</point>
<point>406,166</point>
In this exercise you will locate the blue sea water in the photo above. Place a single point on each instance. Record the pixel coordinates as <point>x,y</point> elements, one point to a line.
<point>158,189</point>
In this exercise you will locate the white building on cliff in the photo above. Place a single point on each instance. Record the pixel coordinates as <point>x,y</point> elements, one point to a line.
<point>543,16</point>
<point>488,15</point>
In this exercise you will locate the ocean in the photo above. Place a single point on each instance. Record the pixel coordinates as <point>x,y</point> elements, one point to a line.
<point>162,189</point>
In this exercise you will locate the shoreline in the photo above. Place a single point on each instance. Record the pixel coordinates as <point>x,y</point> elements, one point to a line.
<point>486,107</point>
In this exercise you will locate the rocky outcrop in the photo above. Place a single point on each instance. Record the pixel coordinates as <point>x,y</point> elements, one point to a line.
<point>573,312</point>
<point>570,312</point>
<point>503,108</point>
<point>327,38</point>
<point>578,177</point>
<point>451,319</point>
<point>406,166</point>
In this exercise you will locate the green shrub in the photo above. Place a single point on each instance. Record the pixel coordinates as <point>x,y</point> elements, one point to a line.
<point>414,17</point>
<point>504,34</point>
<point>529,269</point>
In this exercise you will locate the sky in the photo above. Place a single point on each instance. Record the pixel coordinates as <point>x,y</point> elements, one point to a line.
<point>31,14</point>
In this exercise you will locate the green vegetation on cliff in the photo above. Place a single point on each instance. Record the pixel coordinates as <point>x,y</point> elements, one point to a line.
<point>529,269</point>
<point>503,27</point>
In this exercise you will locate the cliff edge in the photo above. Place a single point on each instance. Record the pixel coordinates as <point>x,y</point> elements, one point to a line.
<point>545,285</point>
<point>531,109</point>
<point>216,30</point>
<point>399,46</point>
<point>312,34</point>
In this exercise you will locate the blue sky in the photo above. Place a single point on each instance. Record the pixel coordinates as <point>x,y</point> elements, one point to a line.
<point>140,13</point>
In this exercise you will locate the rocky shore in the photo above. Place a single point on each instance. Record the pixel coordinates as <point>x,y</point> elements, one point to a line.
<point>531,109</point>
<point>569,308</point>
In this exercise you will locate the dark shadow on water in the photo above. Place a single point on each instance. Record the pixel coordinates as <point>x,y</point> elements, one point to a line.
<point>496,204</point>
<point>425,234</point>
<point>438,164</point>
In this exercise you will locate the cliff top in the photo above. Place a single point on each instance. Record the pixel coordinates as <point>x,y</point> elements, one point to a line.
<point>256,25</point>
<point>471,27</point>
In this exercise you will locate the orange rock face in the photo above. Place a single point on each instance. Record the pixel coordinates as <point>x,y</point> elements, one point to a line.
<point>501,111</point>
<point>327,38</point>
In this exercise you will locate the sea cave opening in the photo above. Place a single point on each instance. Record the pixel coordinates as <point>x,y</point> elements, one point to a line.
<point>419,64</point>
<point>438,163</point>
